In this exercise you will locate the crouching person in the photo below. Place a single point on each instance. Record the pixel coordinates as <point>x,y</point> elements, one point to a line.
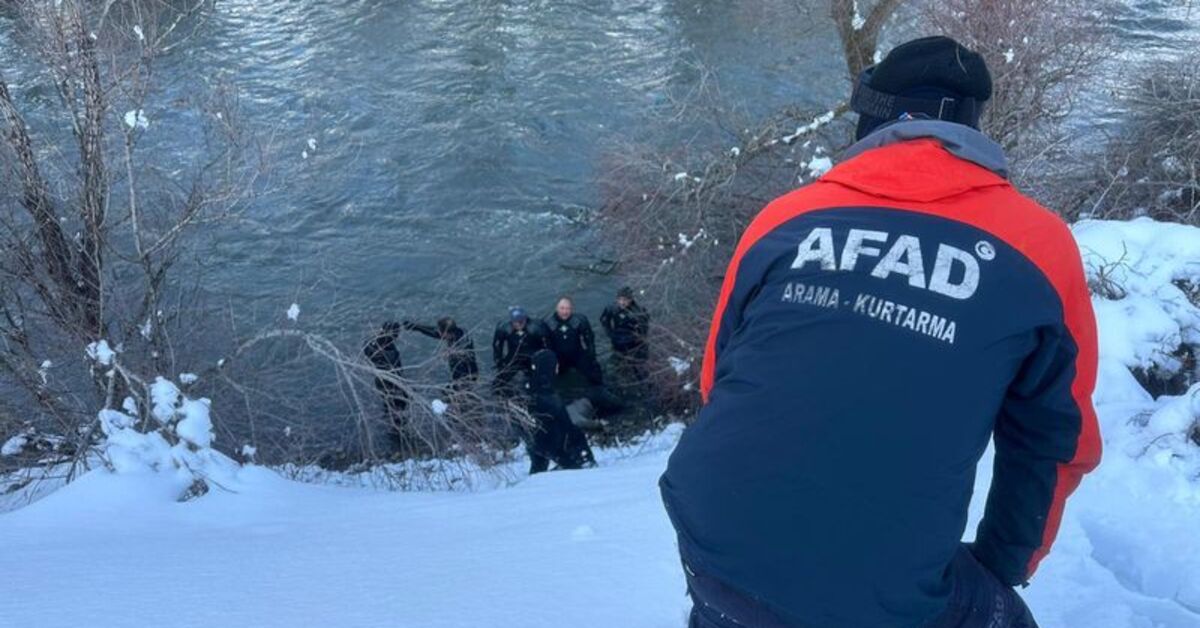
<point>554,438</point>
<point>805,494</point>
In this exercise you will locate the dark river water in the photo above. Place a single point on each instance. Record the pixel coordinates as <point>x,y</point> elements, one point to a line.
<point>456,140</point>
<point>426,157</point>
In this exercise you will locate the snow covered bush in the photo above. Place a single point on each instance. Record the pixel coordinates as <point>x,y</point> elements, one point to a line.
<point>176,439</point>
<point>158,429</point>
<point>1145,278</point>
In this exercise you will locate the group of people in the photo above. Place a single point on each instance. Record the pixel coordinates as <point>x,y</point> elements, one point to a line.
<point>531,358</point>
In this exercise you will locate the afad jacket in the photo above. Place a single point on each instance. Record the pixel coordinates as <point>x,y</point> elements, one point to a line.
<point>874,331</point>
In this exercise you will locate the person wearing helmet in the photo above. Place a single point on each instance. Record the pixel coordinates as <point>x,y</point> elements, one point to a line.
<point>874,331</point>
<point>514,342</point>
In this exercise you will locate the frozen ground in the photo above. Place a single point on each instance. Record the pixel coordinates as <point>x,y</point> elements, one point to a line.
<point>592,549</point>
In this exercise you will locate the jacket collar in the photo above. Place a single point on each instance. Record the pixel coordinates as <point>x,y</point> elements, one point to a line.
<point>921,160</point>
<point>960,140</point>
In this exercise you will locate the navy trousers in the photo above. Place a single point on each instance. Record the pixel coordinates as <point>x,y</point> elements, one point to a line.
<point>979,600</point>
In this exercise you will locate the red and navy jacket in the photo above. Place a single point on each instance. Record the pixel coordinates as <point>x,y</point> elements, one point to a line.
<point>874,330</point>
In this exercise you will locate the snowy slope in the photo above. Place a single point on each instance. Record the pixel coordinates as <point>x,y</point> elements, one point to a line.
<point>571,549</point>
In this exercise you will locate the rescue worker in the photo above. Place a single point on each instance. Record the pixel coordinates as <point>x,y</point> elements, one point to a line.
<point>382,353</point>
<point>628,326</point>
<point>460,351</point>
<point>513,345</point>
<point>572,341</point>
<point>874,330</point>
<point>555,438</point>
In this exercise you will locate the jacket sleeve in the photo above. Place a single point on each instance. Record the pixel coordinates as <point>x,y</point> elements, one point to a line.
<point>589,338</point>
<point>740,284</point>
<point>1046,439</point>
<point>606,320</point>
<point>425,330</point>
<point>498,346</point>
<point>641,320</point>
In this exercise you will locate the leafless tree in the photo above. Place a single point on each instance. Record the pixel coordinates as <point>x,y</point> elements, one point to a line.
<point>1151,165</point>
<point>1040,54</point>
<point>676,217</point>
<point>859,26</point>
<point>92,225</point>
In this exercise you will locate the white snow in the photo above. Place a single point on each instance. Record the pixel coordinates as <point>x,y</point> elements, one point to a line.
<point>101,353</point>
<point>438,406</point>
<point>586,549</point>
<point>14,445</point>
<point>679,365</point>
<point>164,398</point>
<point>805,129</point>
<point>858,21</point>
<point>137,31</point>
<point>1140,269</point>
<point>1009,55</point>
<point>195,424</point>
<point>188,378</point>
<point>818,166</point>
<point>136,119</point>
<point>293,312</point>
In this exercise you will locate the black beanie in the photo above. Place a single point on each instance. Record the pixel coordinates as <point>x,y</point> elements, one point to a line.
<point>934,76</point>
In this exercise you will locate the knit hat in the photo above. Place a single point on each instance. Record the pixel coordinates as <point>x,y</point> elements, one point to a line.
<point>934,77</point>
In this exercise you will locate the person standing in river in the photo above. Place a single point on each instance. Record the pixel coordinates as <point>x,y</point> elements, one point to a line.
<point>628,326</point>
<point>513,344</point>
<point>383,354</point>
<point>874,331</point>
<point>460,351</point>
<point>573,341</point>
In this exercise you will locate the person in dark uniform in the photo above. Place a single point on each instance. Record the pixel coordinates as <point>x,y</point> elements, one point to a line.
<point>573,342</point>
<point>513,346</point>
<point>555,438</point>
<point>383,354</point>
<point>460,351</point>
<point>628,326</point>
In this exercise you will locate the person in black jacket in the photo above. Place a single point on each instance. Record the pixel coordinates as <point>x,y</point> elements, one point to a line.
<point>460,351</point>
<point>383,354</point>
<point>555,438</point>
<point>573,342</point>
<point>513,346</point>
<point>627,326</point>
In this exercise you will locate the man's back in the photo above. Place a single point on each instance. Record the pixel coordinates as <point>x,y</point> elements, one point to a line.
<point>873,330</point>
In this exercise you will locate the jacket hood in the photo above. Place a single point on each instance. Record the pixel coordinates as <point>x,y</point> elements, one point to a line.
<point>921,160</point>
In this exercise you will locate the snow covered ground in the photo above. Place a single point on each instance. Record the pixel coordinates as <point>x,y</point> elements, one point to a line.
<point>593,548</point>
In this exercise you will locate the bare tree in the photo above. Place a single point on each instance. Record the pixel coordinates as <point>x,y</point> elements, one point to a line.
<point>92,226</point>
<point>859,32</point>
<point>1040,54</point>
<point>1151,166</point>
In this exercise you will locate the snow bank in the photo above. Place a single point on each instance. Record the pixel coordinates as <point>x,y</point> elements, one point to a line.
<point>1142,272</point>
